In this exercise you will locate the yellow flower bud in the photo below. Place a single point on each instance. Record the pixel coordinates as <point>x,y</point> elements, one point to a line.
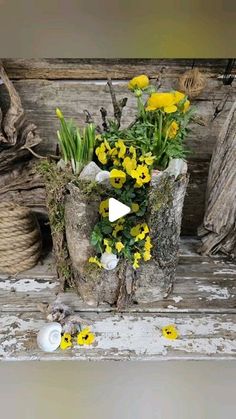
<point>59,113</point>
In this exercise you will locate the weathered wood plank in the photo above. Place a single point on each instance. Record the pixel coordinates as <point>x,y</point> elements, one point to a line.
<point>202,285</point>
<point>126,337</point>
<point>65,68</point>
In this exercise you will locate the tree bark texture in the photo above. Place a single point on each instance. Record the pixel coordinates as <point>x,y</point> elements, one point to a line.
<point>218,233</point>
<point>123,285</point>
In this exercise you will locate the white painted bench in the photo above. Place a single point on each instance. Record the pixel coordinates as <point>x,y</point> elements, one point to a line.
<point>202,306</point>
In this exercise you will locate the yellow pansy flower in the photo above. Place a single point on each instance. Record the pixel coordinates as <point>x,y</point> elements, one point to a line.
<point>170,332</point>
<point>65,341</point>
<point>146,255</point>
<point>96,261</point>
<point>117,178</point>
<point>173,129</point>
<point>85,337</point>
<point>137,256</point>
<point>162,100</point>
<point>147,158</point>
<point>134,207</point>
<point>132,151</point>
<point>101,153</point>
<point>104,208</point>
<point>129,164</point>
<point>139,231</point>
<point>121,147</point>
<point>139,82</point>
<point>141,174</point>
<point>119,246</point>
<point>108,248</point>
<point>118,227</point>
<point>147,244</point>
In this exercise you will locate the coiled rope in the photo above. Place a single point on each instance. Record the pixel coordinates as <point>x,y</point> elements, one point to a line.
<point>20,239</point>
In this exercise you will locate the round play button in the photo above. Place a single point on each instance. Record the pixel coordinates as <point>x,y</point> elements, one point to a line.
<point>117,209</point>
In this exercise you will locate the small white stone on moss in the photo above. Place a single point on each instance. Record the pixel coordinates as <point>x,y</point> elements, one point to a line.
<point>90,171</point>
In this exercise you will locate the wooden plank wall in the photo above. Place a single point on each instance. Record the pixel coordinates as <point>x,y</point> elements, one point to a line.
<point>78,84</point>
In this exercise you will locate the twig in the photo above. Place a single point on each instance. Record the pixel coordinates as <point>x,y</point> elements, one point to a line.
<point>117,106</point>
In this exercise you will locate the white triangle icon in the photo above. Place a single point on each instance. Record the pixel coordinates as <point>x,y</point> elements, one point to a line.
<point>117,209</point>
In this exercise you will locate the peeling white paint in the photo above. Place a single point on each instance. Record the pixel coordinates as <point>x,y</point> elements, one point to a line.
<point>27,285</point>
<point>225,271</point>
<point>215,293</point>
<point>137,336</point>
<point>172,307</point>
<point>177,299</point>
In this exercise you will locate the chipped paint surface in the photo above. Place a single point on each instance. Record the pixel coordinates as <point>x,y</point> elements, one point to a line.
<point>127,337</point>
<point>177,299</point>
<point>26,285</point>
<point>215,293</point>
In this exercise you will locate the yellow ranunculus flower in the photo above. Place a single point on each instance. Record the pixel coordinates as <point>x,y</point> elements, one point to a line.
<point>96,261</point>
<point>162,100</point>
<point>121,147</point>
<point>134,207</point>
<point>104,208</point>
<point>129,164</point>
<point>119,246</point>
<point>173,129</point>
<point>65,341</point>
<point>117,178</point>
<point>186,106</point>
<point>139,82</point>
<point>170,332</point>
<point>85,337</point>
<point>179,96</point>
<point>108,248</point>
<point>141,174</point>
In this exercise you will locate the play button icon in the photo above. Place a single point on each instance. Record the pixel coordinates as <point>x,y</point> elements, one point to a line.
<point>117,209</point>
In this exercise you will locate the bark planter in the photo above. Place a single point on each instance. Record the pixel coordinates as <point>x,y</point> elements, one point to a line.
<point>123,285</point>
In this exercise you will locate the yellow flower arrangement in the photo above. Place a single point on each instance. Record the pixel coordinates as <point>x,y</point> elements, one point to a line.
<point>130,154</point>
<point>140,82</point>
<point>170,332</point>
<point>85,337</point>
<point>66,341</point>
<point>117,178</point>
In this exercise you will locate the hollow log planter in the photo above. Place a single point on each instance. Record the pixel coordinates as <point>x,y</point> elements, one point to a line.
<point>122,286</point>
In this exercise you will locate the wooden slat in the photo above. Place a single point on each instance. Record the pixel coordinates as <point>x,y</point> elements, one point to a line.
<point>103,68</point>
<point>202,285</point>
<point>126,337</point>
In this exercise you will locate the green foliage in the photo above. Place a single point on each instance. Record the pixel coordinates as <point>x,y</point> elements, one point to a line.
<point>76,147</point>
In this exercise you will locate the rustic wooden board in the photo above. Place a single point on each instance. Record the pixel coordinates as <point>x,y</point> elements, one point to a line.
<point>65,68</point>
<point>202,285</point>
<point>126,337</point>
